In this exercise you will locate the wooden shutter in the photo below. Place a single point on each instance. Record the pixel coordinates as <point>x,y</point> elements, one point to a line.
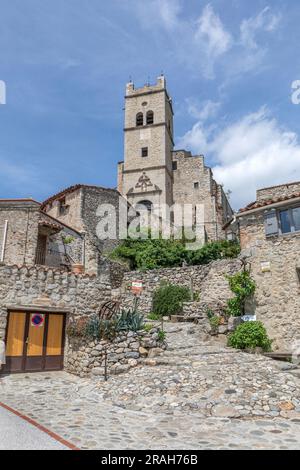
<point>271,223</point>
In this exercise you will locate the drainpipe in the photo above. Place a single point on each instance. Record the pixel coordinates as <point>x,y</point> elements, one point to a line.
<point>83,250</point>
<point>26,237</point>
<point>4,241</point>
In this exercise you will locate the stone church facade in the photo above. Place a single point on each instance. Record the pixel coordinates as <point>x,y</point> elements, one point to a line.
<point>153,173</point>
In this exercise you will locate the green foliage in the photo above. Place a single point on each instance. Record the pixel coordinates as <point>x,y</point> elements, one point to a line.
<point>154,316</point>
<point>213,251</point>
<point>196,296</point>
<point>67,240</point>
<point>130,321</point>
<point>250,335</point>
<point>168,299</point>
<point>94,328</point>
<point>210,314</point>
<point>147,327</point>
<point>243,286</point>
<point>214,322</point>
<point>161,335</point>
<point>148,253</point>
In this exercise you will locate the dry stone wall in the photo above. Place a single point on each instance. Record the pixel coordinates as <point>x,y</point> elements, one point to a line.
<point>208,280</point>
<point>84,357</point>
<point>24,286</point>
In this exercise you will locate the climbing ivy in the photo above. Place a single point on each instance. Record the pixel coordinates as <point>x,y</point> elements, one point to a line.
<point>243,286</point>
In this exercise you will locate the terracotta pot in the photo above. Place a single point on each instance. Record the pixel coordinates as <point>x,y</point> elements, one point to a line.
<point>77,268</point>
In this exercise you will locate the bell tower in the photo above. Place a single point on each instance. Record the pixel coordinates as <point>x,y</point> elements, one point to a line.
<point>145,176</point>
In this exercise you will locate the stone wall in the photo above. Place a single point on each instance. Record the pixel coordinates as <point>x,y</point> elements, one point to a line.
<point>275,262</point>
<point>80,295</point>
<point>209,280</point>
<point>191,170</point>
<point>84,357</point>
<point>281,191</point>
<point>82,204</point>
<point>22,231</point>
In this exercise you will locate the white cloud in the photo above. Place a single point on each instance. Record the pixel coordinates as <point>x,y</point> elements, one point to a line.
<point>264,21</point>
<point>211,32</point>
<point>203,42</point>
<point>252,153</point>
<point>162,13</point>
<point>202,111</point>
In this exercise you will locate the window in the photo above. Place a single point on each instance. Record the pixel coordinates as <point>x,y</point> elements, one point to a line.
<point>290,220</point>
<point>62,206</point>
<point>145,152</point>
<point>150,117</point>
<point>196,185</point>
<point>174,166</point>
<point>139,119</point>
<point>285,222</point>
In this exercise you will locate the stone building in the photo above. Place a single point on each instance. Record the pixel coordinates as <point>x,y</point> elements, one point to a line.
<point>29,237</point>
<point>270,237</point>
<point>153,173</point>
<point>78,206</point>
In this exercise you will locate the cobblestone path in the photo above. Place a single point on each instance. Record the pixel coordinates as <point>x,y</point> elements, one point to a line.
<point>196,395</point>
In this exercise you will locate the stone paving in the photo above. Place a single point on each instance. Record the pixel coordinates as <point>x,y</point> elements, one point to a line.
<point>196,395</point>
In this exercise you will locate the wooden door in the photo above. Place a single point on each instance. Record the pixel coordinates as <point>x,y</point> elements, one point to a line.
<point>15,341</point>
<point>34,342</point>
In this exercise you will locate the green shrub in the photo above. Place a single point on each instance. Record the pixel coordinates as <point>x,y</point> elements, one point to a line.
<point>147,327</point>
<point>213,251</point>
<point>250,335</point>
<point>161,335</point>
<point>214,322</point>
<point>168,299</point>
<point>154,316</point>
<point>148,253</point>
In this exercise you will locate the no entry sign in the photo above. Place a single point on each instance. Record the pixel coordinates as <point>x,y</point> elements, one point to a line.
<point>37,320</point>
<point>137,287</point>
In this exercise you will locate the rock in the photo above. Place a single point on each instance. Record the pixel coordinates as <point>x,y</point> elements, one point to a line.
<point>233,323</point>
<point>154,352</point>
<point>223,411</point>
<point>97,371</point>
<point>223,329</point>
<point>286,406</point>
<point>132,355</point>
<point>143,351</point>
<point>166,318</point>
<point>132,362</point>
<point>150,362</point>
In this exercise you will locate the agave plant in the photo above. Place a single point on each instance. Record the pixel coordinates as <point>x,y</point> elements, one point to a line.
<point>130,320</point>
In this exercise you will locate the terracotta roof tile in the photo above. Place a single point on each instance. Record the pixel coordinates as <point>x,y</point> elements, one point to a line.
<point>268,202</point>
<point>71,189</point>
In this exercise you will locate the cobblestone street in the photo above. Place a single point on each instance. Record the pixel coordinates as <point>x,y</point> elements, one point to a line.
<point>196,395</point>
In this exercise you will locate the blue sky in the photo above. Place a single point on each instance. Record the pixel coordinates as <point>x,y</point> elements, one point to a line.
<point>229,66</point>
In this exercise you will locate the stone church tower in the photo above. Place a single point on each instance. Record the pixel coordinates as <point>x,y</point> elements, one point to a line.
<point>145,176</point>
<point>154,173</point>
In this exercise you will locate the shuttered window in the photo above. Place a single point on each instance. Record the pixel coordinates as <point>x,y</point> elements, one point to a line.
<point>271,223</point>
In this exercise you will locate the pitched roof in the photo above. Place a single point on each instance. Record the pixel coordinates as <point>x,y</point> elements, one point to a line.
<point>71,189</point>
<point>48,220</point>
<point>268,202</point>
